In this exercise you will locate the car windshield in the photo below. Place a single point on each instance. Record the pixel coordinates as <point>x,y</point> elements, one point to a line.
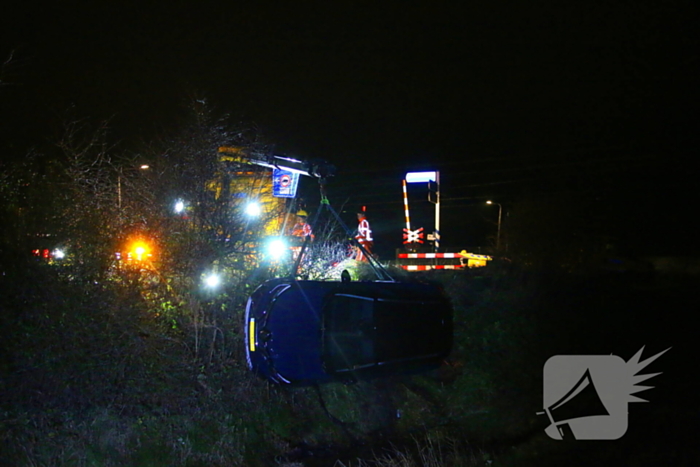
<point>361,331</point>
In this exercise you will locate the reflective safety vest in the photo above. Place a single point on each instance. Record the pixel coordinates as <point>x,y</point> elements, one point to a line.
<point>364,233</point>
<point>302,230</point>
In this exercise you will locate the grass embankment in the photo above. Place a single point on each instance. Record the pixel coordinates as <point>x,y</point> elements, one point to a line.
<point>91,375</point>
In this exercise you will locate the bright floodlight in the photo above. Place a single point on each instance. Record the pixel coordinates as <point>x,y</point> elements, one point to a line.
<point>179,206</point>
<point>489,202</point>
<point>212,280</point>
<point>421,177</point>
<point>253,209</point>
<point>277,248</point>
<point>58,254</point>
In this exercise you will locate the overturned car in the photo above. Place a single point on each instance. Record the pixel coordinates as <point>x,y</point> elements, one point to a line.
<point>304,332</point>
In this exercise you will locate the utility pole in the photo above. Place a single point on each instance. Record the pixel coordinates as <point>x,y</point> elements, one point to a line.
<point>498,231</point>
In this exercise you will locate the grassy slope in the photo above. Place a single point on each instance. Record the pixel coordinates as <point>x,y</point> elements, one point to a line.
<point>89,376</point>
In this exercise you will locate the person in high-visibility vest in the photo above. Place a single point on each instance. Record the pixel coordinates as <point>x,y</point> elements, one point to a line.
<point>363,236</point>
<point>300,231</point>
<point>302,228</point>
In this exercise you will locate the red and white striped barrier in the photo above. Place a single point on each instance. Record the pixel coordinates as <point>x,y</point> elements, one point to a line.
<point>427,267</point>
<point>465,259</point>
<point>442,255</point>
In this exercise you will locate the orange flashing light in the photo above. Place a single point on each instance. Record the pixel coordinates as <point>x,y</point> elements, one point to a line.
<point>139,250</point>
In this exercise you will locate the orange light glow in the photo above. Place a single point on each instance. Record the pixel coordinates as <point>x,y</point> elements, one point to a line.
<point>139,250</point>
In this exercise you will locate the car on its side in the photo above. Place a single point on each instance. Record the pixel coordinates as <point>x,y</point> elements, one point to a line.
<point>305,332</point>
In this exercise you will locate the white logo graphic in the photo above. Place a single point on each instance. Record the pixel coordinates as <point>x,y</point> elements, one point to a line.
<point>586,396</point>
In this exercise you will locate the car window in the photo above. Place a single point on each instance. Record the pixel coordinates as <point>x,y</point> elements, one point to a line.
<point>361,331</point>
<point>349,332</point>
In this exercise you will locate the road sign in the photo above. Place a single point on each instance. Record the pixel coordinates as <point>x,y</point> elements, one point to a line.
<point>413,236</point>
<point>284,183</point>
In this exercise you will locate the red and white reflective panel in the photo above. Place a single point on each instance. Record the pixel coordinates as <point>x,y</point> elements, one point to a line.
<point>428,267</point>
<point>441,255</point>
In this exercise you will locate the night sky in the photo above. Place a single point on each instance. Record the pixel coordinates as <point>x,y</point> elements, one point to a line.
<point>503,99</point>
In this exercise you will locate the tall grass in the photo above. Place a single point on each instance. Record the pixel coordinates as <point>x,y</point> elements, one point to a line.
<point>93,374</point>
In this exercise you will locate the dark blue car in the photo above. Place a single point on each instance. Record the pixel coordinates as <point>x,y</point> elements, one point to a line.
<point>303,332</point>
